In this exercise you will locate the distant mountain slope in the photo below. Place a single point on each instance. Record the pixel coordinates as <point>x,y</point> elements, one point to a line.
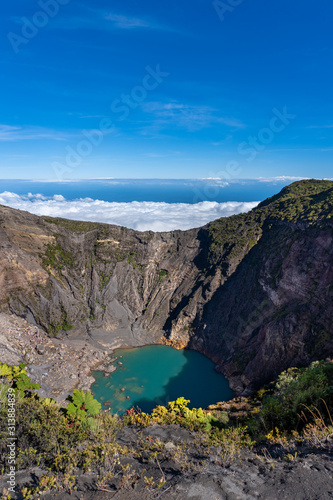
<point>253,291</point>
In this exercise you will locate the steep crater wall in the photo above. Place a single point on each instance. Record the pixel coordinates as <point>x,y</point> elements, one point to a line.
<point>253,292</point>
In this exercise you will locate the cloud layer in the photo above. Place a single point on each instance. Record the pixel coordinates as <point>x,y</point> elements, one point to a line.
<point>141,216</point>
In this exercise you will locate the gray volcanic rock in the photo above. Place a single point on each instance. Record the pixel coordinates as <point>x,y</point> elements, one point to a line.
<point>278,306</point>
<point>58,367</point>
<point>253,292</point>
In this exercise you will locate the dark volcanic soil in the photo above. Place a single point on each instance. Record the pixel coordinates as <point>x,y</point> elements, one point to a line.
<point>198,474</point>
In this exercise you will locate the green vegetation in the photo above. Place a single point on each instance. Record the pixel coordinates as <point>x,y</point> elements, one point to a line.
<point>18,377</point>
<point>299,189</point>
<point>83,407</point>
<point>63,441</point>
<point>104,278</point>
<point>133,259</point>
<point>309,202</point>
<point>62,325</point>
<point>176,412</point>
<point>120,255</point>
<point>163,273</point>
<point>300,393</point>
<point>230,237</point>
<point>107,252</point>
<point>74,225</point>
<point>56,258</point>
<point>305,201</point>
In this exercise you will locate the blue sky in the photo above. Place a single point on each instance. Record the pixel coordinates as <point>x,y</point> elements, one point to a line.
<point>167,89</point>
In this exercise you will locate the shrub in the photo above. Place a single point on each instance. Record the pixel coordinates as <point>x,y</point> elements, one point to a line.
<point>44,429</point>
<point>297,393</point>
<point>230,442</point>
<point>177,412</point>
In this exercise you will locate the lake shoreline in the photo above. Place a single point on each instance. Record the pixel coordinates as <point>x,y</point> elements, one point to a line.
<point>64,363</point>
<point>150,375</point>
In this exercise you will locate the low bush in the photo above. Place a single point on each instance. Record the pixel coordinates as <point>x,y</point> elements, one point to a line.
<point>298,397</point>
<point>177,412</point>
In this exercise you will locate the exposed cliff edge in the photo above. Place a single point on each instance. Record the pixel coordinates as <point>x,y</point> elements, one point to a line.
<point>252,291</point>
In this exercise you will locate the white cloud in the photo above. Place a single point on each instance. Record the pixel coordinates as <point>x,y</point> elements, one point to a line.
<point>9,133</point>
<point>282,178</point>
<point>191,117</point>
<point>231,122</point>
<point>102,19</point>
<point>216,180</point>
<point>124,22</point>
<point>187,116</point>
<point>142,216</point>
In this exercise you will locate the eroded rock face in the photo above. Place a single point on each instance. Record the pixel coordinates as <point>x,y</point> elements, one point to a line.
<point>253,292</point>
<point>95,276</point>
<point>276,310</point>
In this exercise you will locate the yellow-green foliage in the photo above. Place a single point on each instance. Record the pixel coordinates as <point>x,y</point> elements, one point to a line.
<point>176,412</point>
<point>11,372</point>
<point>306,201</point>
<point>73,225</point>
<point>18,377</point>
<point>231,442</point>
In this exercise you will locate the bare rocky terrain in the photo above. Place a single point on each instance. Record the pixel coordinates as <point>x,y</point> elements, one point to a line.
<point>199,473</point>
<point>57,366</point>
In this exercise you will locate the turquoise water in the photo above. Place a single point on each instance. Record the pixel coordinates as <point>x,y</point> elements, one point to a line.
<point>155,375</point>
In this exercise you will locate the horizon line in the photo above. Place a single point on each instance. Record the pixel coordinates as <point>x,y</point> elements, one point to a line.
<point>281,178</point>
